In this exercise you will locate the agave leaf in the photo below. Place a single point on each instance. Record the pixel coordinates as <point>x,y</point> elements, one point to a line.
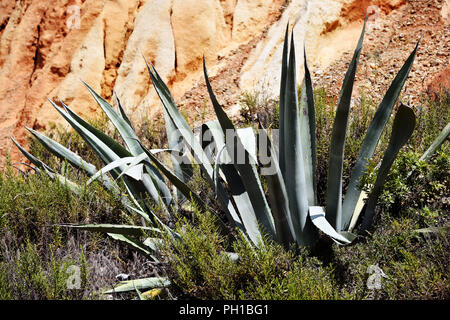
<point>133,169</point>
<point>240,197</point>
<point>433,229</point>
<point>140,295</point>
<point>84,127</point>
<point>121,110</point>
<point>140,284</point>
<point>248,138</point>
<point>72,186</point>
<point>124,128</point>
<point>212,135</point>
<point>225,168</point>
<point>348,235</point>
<point>282,106</point>
<point>336,160</point>
<point>194,145</point>
<point>440,139</point>
<point>181,164</point>
<point>103,151</point>
<point>136,172</point>
<point>104,146</point>
<point>52,174</point>
<point>130,138</point>
<point>62,152</point>
<point>29,166</point>
<point>106,149</point>
<point>277,194</point>
<point>308,135</point>
<point>246,170</point>
<point>358,209</point>
<point>110,150</point>
<point>317,215</point>
<point>184,188</point>
<point>402,129</point>
<point>78,162</point>
<point>111,166</point>
<point>172,110</point>
<point>153,243</point>
<point>133,243</point>
<point>294,176</point>
<point>372,137</point>
<point>126,230</point>
<point>38,163</point>
<point>217,170</point>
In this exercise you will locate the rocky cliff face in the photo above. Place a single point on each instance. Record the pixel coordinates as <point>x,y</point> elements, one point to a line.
<point>46,47</point>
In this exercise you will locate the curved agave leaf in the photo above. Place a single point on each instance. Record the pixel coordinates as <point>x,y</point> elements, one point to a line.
<point>124,128</point>
<point>194,145</point>
<point>126,230</point>
<point>184,188</point>
<point>443,229</point>
<point>278,195</point>
<point>336,159</point>
<point>240,197</point>
<point>75,188</point>
<point>317,215</point>
<point>85,129</point>
<point>358,209</point>
<point>372,137</point>
<point>140,284</point>
<point>77,161</point>
<point>134,170</point>
<point>121,110</point>
<point>111,166</point>
<point>91,136</point>
<point>106,149</point>
<point>225,168</point>
<point>246,170</point>
<point>62,152</point>
<point>402,129</point>
<point>38,163</point>
<point>440,139</point>
<point>153,243</point>
<point>182,166</point>
<point>135,244</point>
<point>130,138</point>
<point>72,186</point>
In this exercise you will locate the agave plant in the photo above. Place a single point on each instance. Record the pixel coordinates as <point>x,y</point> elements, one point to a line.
<point>294,216</point>
<point>290,215</point>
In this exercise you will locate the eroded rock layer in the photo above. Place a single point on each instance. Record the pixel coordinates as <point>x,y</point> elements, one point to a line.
<point>46,47</point>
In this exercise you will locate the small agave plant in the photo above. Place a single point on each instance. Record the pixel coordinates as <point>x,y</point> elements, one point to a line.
<point>293,216</point>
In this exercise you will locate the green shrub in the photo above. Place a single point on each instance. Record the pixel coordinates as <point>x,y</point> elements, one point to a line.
<point>416,184</point>
<point>257,106</point>
<point>27,276</point>
<point>201,269</point>
<point>35,254</point>
<point>432,117</point>
<point>415,265</point>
